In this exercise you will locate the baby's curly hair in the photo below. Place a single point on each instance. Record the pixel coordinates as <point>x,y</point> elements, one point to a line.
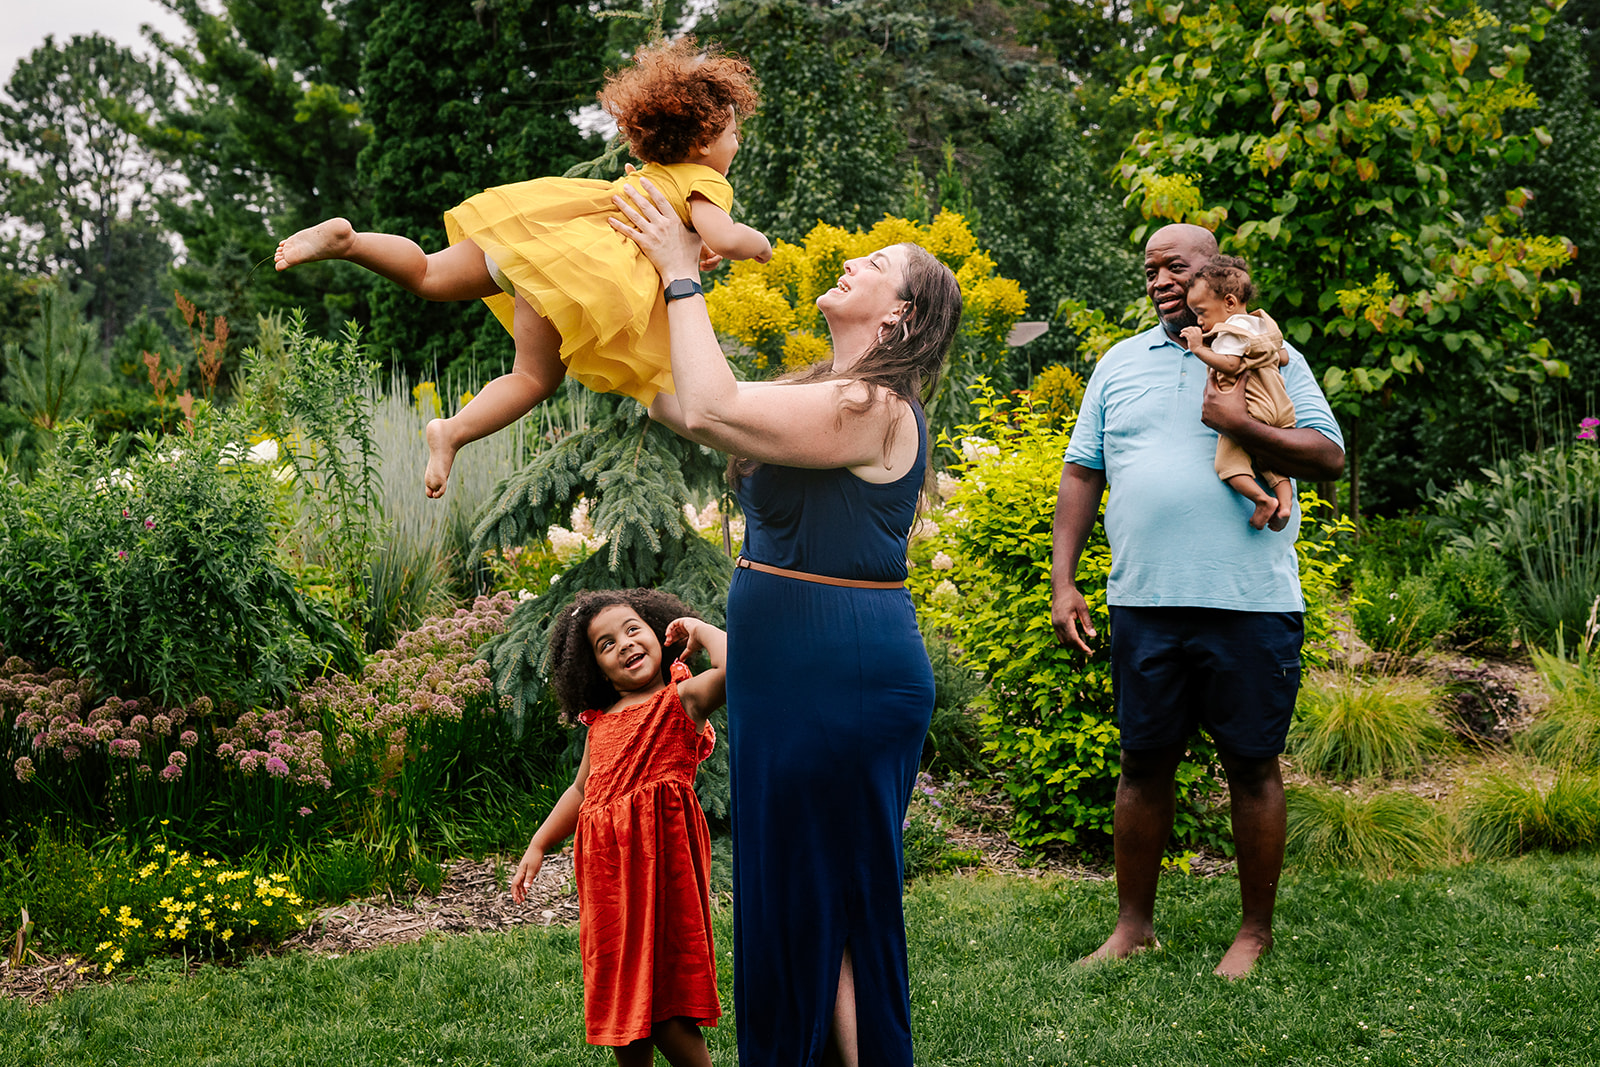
<point>578,680</point>
<point>675,98</point>
<point>1228,276</point>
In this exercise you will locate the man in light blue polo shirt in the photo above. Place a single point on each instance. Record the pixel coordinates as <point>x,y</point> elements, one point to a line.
<point>1205,610</point>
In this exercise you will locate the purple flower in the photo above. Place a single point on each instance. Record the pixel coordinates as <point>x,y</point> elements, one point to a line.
<point>177,759</point>
<point>304,812</point>
<point>24,769</point>
<point>125,748</point>
<point>149,522</point>
<point>277,768</point>
<point>188,739</point>
<point>122,553</point>
<point>171,772</point>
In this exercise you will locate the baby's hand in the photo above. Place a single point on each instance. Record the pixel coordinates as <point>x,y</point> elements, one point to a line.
<point>709,260</point>
<point>684,630</point>
<point>1193,337</point>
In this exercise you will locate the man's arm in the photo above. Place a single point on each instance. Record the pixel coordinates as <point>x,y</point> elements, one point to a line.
<point>1077,507</point>
<point>1299,452</point>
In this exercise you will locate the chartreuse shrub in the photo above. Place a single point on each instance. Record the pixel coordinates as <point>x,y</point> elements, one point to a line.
<point>1380,833</point>
<point>1568,730</point>
<point>983,578</point>
<point>1350,726</point>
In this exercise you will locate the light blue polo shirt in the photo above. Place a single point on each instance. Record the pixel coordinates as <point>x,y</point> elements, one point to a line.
<point>1180,536</point>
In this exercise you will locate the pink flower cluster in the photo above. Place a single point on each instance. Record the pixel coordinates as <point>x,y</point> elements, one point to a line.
<point>48,711</point>
<point>431,673</point>
<point>1587,428</point>
<point>276,743</point>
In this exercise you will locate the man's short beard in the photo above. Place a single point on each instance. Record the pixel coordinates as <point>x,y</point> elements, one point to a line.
<point>1176,324</point>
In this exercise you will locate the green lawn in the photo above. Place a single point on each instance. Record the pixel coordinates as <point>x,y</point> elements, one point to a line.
<point>1487,964</point>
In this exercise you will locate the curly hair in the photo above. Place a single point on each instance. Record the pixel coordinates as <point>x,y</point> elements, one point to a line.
<point>576,676</point>
<point>1228,276</point>
<point>675,97</point>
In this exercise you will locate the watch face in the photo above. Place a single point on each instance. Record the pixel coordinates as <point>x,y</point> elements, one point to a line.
<point>681,288</point>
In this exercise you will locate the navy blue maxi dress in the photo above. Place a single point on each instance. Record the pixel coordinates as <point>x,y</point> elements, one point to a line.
<point>829,698</point>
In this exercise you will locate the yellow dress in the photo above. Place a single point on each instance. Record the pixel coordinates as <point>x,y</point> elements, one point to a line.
<point>551,239</point>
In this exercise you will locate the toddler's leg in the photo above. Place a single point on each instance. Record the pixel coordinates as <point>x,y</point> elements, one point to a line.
<point>1285,502</point>
<point>1266,504</point>
<point>535,375</point>
<point>642,1053</point>
<point>681,1042</point>
<point>456,273</point>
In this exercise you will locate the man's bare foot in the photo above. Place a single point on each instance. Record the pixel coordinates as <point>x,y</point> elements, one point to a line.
<point>441,454</point>
<point>1242,955</point>
<point>1266,509</point>
<point>326,240</point>
<point>1280,517</point>
<point>1122,944</point>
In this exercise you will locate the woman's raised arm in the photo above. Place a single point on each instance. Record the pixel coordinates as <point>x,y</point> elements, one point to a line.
<point>811,425</point>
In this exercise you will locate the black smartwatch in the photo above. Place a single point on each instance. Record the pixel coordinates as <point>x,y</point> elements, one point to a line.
<point>682,287</point>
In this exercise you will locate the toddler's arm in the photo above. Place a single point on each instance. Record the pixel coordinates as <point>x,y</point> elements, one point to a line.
<point>729,239</point>
<point>1217,361</point>
<point>556,828</point>
<point>705,692</point>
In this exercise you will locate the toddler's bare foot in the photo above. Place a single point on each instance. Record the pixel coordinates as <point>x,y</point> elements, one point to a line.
<point>1122,943</point>
<point>1242,955</point>
<point>326,240</point>
<point>1265,510</point>
<point>441,454</point>
<point>1280,517</point>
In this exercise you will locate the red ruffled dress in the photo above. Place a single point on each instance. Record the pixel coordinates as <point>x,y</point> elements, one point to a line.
<point>642,854</point>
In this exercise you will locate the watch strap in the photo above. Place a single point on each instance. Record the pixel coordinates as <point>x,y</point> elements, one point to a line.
<point>679,288</point>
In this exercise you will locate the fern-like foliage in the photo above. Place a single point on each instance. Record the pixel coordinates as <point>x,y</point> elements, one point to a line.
<point>637,477</point>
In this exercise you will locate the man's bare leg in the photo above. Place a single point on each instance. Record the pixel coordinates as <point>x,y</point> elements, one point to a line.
<point>455,273</point>
<point>1146,804</point>
<point>535,375</point>
<point>1260,825</point>
<point>1266,504</point>
<point>844,1046</point>
<point>1285,505</point>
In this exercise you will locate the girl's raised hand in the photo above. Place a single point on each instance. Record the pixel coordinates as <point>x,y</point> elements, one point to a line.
<point>681,630</point>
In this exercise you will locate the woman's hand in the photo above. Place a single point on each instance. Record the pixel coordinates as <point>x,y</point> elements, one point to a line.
<point>666,242</point>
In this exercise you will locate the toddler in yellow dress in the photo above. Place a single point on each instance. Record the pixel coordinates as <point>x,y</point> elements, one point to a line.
<point>576,296</point>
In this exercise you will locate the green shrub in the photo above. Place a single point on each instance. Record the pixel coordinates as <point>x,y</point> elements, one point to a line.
<point>955,733</point>
<point>1394,547</point>
<point>1476,585</point>
<point>924,834</point>
<point>1349,726</point>
<point>1380,833</point>
<point>1322,564</point>
<point>1510,812</point>
<point>1401,614</point>
<point>157,577</point>
<point>983,581</point>
<point>1541,513</point>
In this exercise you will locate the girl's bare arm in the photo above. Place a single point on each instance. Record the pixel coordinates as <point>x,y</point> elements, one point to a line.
<point>729,239</point>
<point>556,828</point>
<point>706,691</point>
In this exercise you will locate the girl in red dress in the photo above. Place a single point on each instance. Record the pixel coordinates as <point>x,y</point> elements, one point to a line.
<point>642,852</point>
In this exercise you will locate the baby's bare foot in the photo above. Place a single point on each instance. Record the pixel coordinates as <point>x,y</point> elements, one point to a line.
<point>1264,512</point>
<point>326,240</point>
<point>1122,943</point>
<point>1280,517</point>
<point>441,454</point>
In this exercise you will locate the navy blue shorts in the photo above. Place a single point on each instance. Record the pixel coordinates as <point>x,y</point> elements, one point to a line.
<point>1233,673</point>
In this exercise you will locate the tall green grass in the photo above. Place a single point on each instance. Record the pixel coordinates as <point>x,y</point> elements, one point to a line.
<point>1381,833</point>
<point>1513,811</point>
<point>1350,726</point>
<point>1568,730</point>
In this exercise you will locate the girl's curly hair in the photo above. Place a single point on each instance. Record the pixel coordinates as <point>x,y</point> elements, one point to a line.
<point>675,97</point>
<point>576,676</point>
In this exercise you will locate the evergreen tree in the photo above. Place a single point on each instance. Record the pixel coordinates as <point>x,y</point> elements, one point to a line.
<point>461,98</point>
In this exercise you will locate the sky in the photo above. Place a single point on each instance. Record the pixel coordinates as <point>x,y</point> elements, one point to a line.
<point>24,24</point>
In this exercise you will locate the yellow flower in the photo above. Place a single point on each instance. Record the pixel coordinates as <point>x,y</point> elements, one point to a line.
<point>801,350</point>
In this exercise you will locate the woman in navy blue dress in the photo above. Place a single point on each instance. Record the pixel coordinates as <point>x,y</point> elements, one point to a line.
<point>829,688</point>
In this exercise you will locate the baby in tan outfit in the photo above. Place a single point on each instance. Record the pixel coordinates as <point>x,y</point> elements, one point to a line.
<point>1231,339</point>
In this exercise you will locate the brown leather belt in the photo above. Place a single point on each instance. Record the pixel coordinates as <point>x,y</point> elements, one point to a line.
<point>820,579</point>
